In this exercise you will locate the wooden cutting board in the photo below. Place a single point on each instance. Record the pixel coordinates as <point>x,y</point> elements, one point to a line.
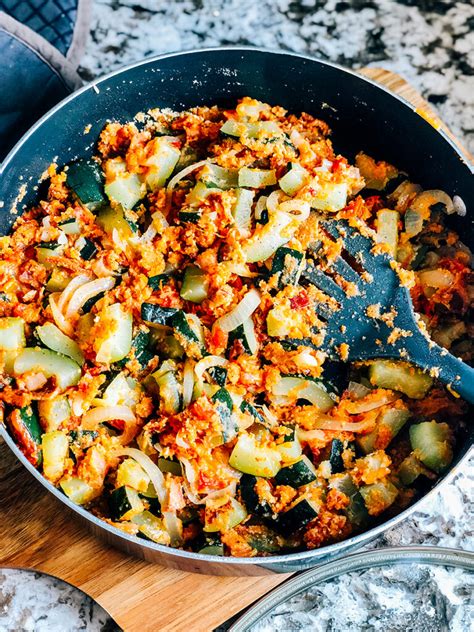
<point>38,533</point>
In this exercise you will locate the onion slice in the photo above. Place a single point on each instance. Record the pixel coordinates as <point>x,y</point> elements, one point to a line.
<point>71,287</point>
<point>100,414</point>
<point>241,312</point>
<point>188,382</point>
<point>370,402</point>
<point>87,291</point>
<point>207,363</point>
<point>182,174</point>
<point>153,471</point>
<point>59,318</point>
<point>327,423</point>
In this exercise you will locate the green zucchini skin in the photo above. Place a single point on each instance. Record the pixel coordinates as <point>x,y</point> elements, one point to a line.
<point>286,264</point>
<point>297,474</point>
<point>141,350</point>
<point>246,407</point>
<point>89,304</point>
<point>250,498</point>
<point>224,405</point>
<point>85,179</point>
<point>191,217</point>
<point>297,517</point>
<point>152,313</point>
<point>26,428</point>
<point>121,501</point>
<point>239,334</point>
<point>335,456</point>
<point>158,280</point>
<point>181,326</point>
<point>88,250</point>
<point>218,374</point>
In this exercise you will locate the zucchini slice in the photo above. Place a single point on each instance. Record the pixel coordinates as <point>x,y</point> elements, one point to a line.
<point>256,178</point>
<point>53,338</point>
<point>301,472</point>
<point>186,336</point>
<point>297,516</point>
<point>431,442</point>
<point>293,179</point>
<point>216,177</point>
<point>225,517</point>
<point>400,377</point>
<point>53,412</point>
<point>251,458</point>
<point>290,449</point>
<point>156,315</point>
<point>170,465</point>
<point>77,490</point>
<point>125,503</point>
<point>411,468</point>
<point>242,209</point>
<point>87,248</point>
<point>169,388</point>
<point>212,549</point>
<point>378,496</point>
<point>85,179</point>
<point>27,432</point>
<point>189,217</point>
<point>116,342</point>
<point>126,190</point>
<point>335,456</point>
<point>252,501</point>
<point>287,265</point>
<point>12,333</point>
<point>55,446</point>
<point>151,528</point>
<point>224,405</point>
<point>131,474</point>
<point>356,510</point>
<point>161,163</point>
<point>51,364</point>
<point>195,285</point>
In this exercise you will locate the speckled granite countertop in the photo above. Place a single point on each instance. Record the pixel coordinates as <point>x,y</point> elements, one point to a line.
<point>429,42</point>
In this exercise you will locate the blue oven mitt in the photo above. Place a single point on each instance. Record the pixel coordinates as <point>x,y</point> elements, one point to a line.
<point>38,67</point>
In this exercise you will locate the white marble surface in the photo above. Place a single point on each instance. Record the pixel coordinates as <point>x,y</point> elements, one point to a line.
<point>34,602</point>
<point>429,42</point>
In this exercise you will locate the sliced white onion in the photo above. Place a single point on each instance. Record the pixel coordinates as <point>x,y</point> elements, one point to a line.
<point>355,408</point>
<point>269,416</point>
<point>87,291</point>
<point>301,143</point>
<point>273,200</point>
<point>357,390</point>
<point>309,435</point>
<point>98,415</point>
<point>242,269</point>
<point>153,471</point>
<point>260,206</point>
<point>70,288</point>
<point>305,359</point>
<point>323,423</point>
<point>207,363</point>
<point>64,325</point>
<point>183,173</point>
<point>118,241</point>
<point>159,221</point>
<point>241,312</point>
<point>188,382</point>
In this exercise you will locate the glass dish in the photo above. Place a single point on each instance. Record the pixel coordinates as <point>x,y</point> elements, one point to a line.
<point>422,589</point>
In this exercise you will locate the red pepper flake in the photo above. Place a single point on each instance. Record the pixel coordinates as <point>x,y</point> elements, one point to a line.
<point>236,282</point>
<point>300,300</point>
<point>374,203</point>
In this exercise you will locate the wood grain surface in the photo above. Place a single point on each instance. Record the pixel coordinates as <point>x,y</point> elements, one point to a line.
<point>37,532</point>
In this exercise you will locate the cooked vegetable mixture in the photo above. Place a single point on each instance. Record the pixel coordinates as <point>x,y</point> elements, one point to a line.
<point>159,357</point>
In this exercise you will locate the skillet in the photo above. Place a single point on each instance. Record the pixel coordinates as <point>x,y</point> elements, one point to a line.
<point>362,115</point>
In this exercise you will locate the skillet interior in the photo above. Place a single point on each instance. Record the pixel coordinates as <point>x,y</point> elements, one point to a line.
<point>361,114</point>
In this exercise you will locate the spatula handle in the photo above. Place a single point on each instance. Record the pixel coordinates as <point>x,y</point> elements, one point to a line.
<point>457,375</point>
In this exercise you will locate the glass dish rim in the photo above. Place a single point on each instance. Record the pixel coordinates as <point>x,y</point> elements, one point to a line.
<point>423,554</point>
